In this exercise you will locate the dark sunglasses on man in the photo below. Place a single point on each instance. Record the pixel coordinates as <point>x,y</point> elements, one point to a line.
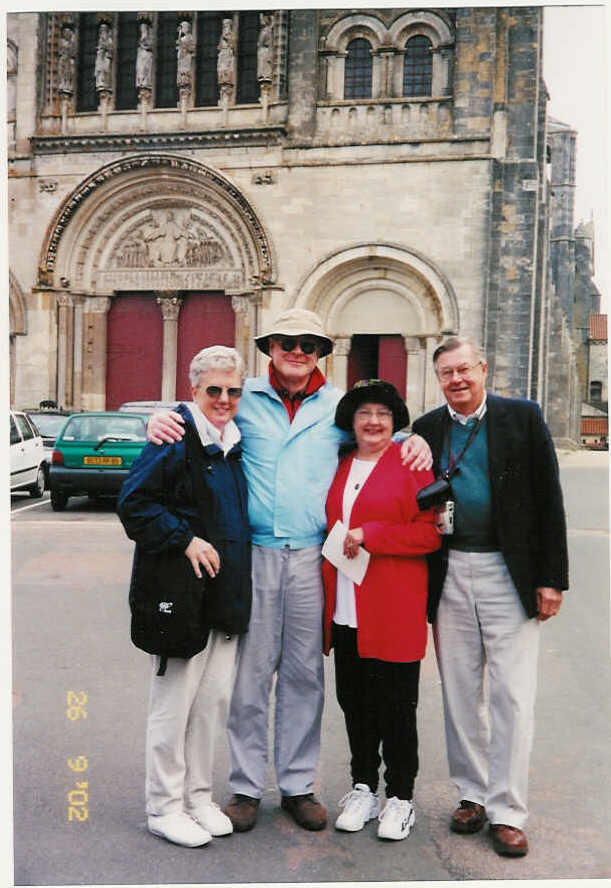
<point>289,343</point>
<point>215,391</point>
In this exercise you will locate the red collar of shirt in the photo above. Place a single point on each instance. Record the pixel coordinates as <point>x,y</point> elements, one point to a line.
<point>293,402</point>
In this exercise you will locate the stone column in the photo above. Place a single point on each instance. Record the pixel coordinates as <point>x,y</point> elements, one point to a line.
<point>341,350</point>
<point>170,308</point>
<point>65,340</point>
<point>77,359</point>
<point>240,303</point>
<point>385,83</point>
<point>94,357</point>
<point>432,393</point>
<point>416,356</point>
<point>445,55</point>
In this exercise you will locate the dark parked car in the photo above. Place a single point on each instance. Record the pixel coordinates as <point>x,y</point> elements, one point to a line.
<point>93,454</point>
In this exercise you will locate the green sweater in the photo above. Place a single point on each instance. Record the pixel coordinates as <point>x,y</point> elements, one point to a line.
<point>473,528</point>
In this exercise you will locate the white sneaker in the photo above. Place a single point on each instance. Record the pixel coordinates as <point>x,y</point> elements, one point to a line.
<point>360,805</point>
<point>212,819</point>
<point>179,828</point>
<point>396,819</point>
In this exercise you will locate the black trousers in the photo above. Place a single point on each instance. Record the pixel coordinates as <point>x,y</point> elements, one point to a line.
<point>379,701</point>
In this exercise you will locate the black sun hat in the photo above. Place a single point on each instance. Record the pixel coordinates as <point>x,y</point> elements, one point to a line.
<point>371,391</point>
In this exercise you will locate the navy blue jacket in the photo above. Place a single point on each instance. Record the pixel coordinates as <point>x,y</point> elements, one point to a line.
<point>527,506</point>
<point>177,491</point>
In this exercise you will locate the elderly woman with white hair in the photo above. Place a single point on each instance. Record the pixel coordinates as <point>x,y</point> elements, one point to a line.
<point>189,499</point>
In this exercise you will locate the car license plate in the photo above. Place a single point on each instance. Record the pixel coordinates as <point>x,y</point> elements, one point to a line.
<point>102,460</point>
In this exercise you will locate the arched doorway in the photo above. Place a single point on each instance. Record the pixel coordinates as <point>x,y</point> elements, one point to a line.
<point>151,258</point>
<point>387,307</point>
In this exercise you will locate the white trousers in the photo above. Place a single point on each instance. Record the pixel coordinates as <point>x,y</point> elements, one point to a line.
<point>186,705</point>
<point>481,630</point>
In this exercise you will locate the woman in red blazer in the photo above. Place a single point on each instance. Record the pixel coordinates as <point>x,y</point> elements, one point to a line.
<point>378,628</point>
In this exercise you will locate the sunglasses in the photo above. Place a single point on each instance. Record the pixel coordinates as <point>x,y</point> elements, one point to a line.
<point>215,391</point>
<point>289,343</point>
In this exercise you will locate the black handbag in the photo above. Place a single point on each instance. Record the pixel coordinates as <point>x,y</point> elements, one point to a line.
<point>168,606</point>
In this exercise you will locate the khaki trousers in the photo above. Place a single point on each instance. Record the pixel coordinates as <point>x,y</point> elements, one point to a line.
<point>487,652</point>
<point>186,706</point>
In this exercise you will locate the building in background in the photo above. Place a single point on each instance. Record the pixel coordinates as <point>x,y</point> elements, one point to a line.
<point>177,179</point>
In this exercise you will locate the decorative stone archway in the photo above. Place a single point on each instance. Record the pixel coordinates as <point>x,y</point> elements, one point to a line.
<point>382,288</point>
<point>151,223</point>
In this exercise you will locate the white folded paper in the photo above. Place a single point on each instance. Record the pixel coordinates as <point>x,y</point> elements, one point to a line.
<point>333,550</point>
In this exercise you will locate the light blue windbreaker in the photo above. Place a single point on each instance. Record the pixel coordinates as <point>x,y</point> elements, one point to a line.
<point>289,466</point>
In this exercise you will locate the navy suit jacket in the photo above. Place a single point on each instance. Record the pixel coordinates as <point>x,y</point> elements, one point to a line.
<point>527,505</point>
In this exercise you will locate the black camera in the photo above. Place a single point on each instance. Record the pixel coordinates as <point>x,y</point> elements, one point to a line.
<point>435,494</point>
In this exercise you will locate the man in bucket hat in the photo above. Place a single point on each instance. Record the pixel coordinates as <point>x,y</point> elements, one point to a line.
<point>289,452</point>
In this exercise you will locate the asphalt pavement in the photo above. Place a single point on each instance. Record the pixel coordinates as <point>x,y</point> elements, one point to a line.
<point>79,712</point>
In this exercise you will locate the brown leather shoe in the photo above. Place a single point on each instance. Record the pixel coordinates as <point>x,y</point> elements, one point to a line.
<point>242,810</point>
<point>305,810</point>
<point>469,817</point>
<point>508,840</point>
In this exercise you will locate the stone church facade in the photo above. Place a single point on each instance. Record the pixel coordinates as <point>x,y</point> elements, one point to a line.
<point>177,179</point>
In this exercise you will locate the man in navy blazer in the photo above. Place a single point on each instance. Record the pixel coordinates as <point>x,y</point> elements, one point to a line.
<point>497,576</point>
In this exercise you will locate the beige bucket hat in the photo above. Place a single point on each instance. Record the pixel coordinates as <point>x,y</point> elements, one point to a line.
<point>297,322</point>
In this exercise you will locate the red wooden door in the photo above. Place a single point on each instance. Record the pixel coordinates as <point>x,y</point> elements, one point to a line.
<point>363,358</point>
<point>378,356</point>
<point>205,319</point>
<point>134,350</point>
<point>392,362</point>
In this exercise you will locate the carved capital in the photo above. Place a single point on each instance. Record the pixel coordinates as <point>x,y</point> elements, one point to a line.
<point>240,304</point>
<point>97,304</point>
<point>64,300</point>
<point>413,345</point>
<point>170,307</point>
<point>341,347</point>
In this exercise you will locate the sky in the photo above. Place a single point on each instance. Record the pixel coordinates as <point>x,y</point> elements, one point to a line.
<point>576,72</point>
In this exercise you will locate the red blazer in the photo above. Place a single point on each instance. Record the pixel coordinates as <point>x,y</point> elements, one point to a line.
<point>391,601</point>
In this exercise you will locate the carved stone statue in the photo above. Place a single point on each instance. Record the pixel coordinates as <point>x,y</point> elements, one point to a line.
<point>265,47</point>
<point>103,59</point>
<point>144,58</point>
<point>224,64</point>
<point>185,50</point>
<point>65,65</point>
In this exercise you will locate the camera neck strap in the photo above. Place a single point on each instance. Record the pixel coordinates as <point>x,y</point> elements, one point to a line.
<point>452,461</point>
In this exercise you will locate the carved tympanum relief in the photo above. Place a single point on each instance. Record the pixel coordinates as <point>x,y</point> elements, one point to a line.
<point>170,239</point>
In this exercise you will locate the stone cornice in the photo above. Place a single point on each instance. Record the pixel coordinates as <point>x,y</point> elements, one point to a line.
<point>69,144</point>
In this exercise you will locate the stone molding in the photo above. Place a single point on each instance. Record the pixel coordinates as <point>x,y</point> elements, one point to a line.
<point>94,142</point>
<point>401,274</point>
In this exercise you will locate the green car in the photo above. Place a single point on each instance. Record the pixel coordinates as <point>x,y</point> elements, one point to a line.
<point>93,455</point>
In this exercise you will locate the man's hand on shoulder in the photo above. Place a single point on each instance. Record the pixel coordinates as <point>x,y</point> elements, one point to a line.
<point>416,453</point>
<point>165,427</point>
<point>548,602</point>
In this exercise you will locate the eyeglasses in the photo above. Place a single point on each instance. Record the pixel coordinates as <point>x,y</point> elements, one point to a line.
<point>289,343</point>
<point>215,391</point>
<point>373,414</point>
<point>464,370</point>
